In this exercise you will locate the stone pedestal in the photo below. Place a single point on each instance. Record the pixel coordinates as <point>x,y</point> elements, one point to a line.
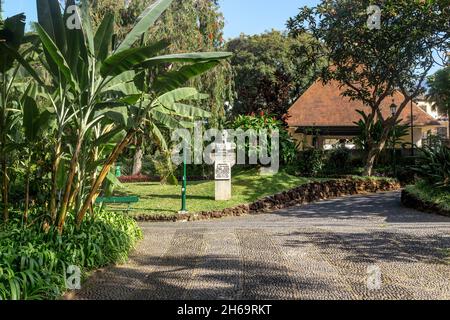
<point>223,190</point>
<point>225,159</point>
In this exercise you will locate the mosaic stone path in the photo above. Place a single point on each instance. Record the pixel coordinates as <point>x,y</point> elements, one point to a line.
<point>317,251</point>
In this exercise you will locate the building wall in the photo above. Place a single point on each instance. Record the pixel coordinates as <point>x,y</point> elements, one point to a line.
<point>303,141</point>
<point>428,108</point>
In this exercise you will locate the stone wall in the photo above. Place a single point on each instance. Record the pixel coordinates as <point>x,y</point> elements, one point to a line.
<point>411,201</point>
<point>303,194</point>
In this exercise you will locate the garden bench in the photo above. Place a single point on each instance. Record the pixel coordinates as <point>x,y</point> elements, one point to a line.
<point>119,200</point>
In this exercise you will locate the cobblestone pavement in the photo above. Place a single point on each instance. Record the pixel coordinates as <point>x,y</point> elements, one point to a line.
<point>316,251</point>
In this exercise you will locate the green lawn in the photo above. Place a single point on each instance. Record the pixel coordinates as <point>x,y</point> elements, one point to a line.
<point>248,186</point>
<point>427,193</point>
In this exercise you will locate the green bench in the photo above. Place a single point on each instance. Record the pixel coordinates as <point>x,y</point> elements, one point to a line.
<point>118,200</point>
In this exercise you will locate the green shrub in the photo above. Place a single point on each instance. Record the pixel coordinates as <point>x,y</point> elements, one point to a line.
<point>288,149</point>
<point>311,162</point>
<point>33,263</point>
<point>433,165</point>
<point>338,160</point>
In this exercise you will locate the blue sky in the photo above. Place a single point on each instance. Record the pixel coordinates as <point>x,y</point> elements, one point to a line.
<point>257,16</point>
<point>247,16</point>
<point>241,16</point>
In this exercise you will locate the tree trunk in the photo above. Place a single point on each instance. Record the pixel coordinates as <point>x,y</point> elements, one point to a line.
<point>68,191</point>
<point>372,156</point>
<point>27,194</point>
<point>54,190</point>
<point>103,173</point>
<point>5,184</point>
<point>137,160</point>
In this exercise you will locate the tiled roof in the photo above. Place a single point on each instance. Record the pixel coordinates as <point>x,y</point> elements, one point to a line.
<point>324,106</point>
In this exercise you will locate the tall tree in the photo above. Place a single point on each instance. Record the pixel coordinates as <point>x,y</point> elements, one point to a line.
<point>189,25</point>
<point>439,92</point>
<point>375,62</point>
<point>267,73</point>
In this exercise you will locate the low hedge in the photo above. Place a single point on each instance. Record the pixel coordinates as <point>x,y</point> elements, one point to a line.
<point>33,263</point>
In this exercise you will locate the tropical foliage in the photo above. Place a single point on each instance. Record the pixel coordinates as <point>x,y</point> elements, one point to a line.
<point>93,96</point>
<point>433,166</point>
<point>73,96</point>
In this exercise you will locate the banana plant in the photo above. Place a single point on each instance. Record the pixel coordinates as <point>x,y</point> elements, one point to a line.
<point>11,41</point>
<point>94,81</point>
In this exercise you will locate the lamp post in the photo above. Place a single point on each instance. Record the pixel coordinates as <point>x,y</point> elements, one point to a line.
<point>412,129</point>
<point>394,138</point>
<point>184,185</point>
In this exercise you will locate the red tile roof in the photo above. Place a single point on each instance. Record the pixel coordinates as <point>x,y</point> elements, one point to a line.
<point>324,106</point>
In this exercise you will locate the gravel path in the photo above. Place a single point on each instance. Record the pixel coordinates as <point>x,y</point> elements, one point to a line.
<point>317,251</point>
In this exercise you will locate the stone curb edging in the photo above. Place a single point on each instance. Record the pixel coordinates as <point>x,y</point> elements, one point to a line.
<point>303,194</point>
<point>409,200</point>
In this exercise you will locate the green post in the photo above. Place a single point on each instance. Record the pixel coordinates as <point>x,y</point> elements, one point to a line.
<point>184,185</point>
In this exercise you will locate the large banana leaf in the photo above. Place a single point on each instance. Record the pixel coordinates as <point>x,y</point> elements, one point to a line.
<point>30,118</point>
<point>158,136</point>
<point>122,85</point>
<point>73,39</point>
<point>103,37</point>
<point>144,22</point>
<point>168,99</point>
<point>16,55</point>
<point>168,120</point>
<point>51,20</point>
<point>186,58</point>
<point>56,56</point>
<point>87,27</point>
<point>176,79</point>
<point>188,111</point>
<point>128,59</point>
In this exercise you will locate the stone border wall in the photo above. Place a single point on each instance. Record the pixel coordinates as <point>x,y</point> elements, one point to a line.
<point>409,200</point>
<point>303,194</point>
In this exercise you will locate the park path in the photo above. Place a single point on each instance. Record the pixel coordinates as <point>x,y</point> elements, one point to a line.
<point>315,251</point>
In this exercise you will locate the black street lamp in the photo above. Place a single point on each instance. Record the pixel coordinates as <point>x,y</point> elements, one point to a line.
<point>412,128</point>
<point>393,108</point>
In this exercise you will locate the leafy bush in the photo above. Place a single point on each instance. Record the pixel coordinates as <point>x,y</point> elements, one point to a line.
<point>311,162</point>
<point>288,149</point>
<point>338,160</point>
<point>433,165</point>
<point>33,263</point>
